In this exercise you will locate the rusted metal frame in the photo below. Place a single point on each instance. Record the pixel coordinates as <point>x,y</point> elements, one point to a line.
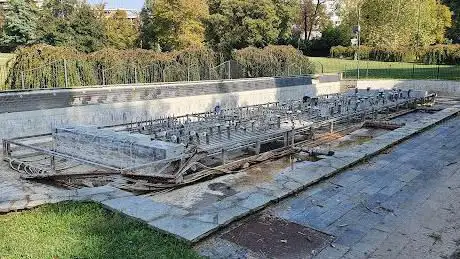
<point>170,160</point>
<point>57,154</point>
<point>178,117</point>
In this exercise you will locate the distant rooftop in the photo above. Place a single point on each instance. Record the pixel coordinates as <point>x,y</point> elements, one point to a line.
<point>120,4</point>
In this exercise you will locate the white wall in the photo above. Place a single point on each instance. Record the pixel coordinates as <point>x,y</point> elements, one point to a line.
<point>27,123</point>
<point>442,88</point>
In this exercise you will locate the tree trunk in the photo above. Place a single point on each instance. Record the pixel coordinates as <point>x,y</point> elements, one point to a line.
<point>313,18</point>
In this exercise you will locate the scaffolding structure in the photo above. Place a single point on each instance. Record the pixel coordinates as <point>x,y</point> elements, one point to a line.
<point>176,150</point>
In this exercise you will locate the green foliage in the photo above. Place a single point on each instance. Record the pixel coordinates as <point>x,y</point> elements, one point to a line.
<point>173,24</point>
<point>50,61</point>
<point>441,54</point>
<point>396,24</point>
<point>286,10</point>
<point>19,25</point>
<point>43,66</point>
<point>272,61</point>
<point>121,32</point>
<point>312,16</point>
<point>454,32</point>
<point>331,36</point>
<point>374,53</point>
<point>71,23</point>
<point>236,24</point>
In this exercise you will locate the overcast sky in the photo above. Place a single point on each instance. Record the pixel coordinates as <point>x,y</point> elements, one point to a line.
<point>126,4</point>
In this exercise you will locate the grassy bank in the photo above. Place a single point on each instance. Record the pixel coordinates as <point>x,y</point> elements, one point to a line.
<point>386,70</point>
<point>83,230</point>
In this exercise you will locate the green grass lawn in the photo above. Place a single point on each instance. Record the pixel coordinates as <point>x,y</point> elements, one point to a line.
<point>83,230</point>
<point>385,70</point>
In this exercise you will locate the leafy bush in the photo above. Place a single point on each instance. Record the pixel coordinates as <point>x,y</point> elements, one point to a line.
<point>331,36</point>
<point>376,53</point>
<point>272,61</point>
<point>43,66</point>
<point>441,54</point>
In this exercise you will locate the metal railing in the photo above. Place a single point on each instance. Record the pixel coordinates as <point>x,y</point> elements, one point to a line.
<point>68,74</point>
<point>387,70</point>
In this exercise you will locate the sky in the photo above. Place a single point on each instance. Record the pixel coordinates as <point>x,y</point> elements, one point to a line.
<point>125,4</point>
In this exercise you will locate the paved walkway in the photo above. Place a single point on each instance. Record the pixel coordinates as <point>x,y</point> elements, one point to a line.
<point>196,222</point>
<point>404,203</point>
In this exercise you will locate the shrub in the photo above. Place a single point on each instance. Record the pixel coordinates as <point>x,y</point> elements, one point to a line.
<point>376,53</point>
<point>441,54</point>
<point>272,61</point>
<point>42,66</point>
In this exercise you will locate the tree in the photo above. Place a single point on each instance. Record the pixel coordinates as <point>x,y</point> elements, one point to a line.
<point>312,16</point>
<point>2,19</point>
<point>398,23</point>
<point>173,24</point>
<point>286,10</point>
<point>335,36</point>
<point>72,23</point>
<point>454,32</point>
<point>20,24</point>
<point>236,24</point>
<point>121,32</point>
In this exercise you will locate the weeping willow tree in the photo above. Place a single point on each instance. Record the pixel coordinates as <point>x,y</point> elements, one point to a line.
<point>146,66</point>
<point>272,61</point>
<point>43,66</point>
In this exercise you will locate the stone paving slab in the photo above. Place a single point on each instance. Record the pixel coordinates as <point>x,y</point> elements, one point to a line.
<point>302,176</point>
<point>29,201</point>
<point>193,224</point>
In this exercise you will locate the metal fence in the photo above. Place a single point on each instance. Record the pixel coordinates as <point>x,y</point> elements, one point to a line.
<point>68,74</point>
<point>353,69</point>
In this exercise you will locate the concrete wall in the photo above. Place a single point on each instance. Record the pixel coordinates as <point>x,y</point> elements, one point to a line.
<point>247,92</point>
<point>442,88</point>
<point>17,101</point>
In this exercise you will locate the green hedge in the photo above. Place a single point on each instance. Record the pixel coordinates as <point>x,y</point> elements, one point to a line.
<point>376,53</point>
<point>441,54</point>
<point>436,54</point>
<point>272,61</point>
<point>43,66</point>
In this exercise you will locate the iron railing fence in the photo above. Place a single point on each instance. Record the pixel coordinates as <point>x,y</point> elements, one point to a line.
<point>69,74</point>
<point>364,69</point>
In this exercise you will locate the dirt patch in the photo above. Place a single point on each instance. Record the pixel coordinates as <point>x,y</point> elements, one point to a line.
<point>263,172</point>
<point>277,238</point>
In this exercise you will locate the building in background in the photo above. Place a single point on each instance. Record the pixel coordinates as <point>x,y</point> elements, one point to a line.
<point>332,11</point>
<point>131,13</point>
<point>4,3</point>
<point>131,7</point>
